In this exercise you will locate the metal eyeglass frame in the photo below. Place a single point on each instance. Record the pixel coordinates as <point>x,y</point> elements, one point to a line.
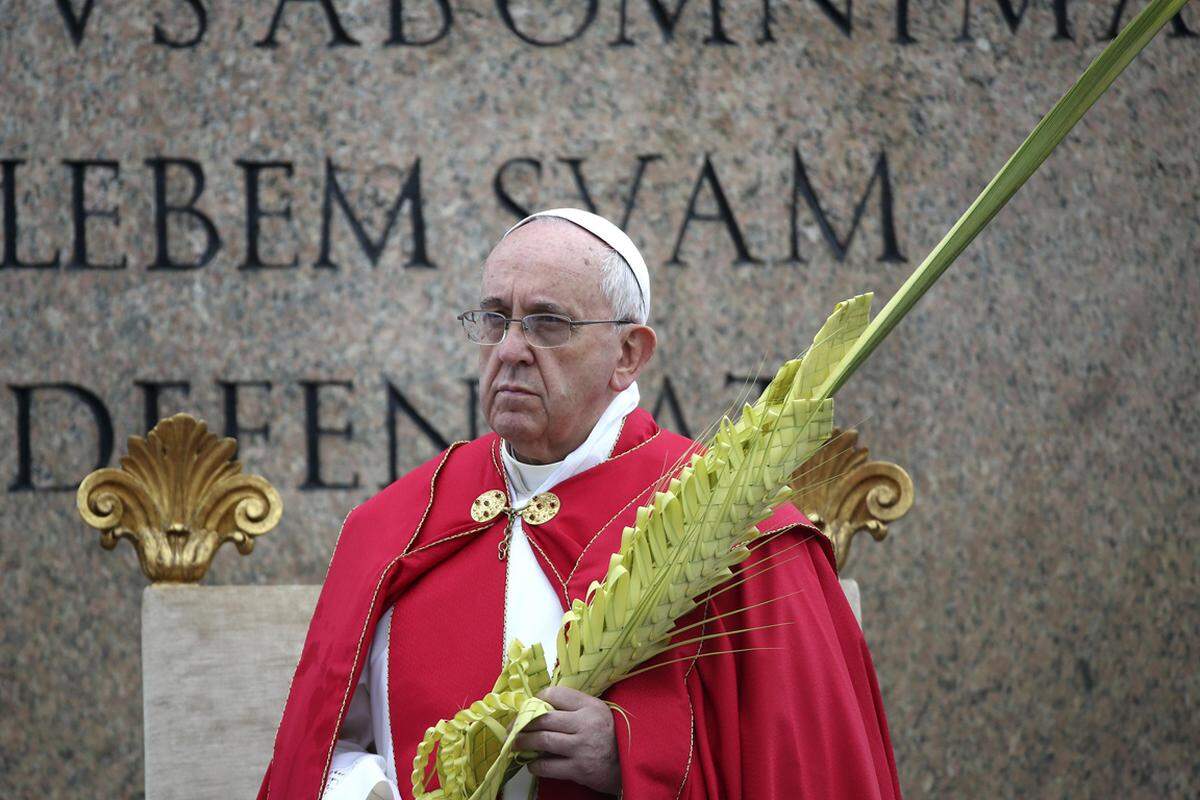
<point>574,323</point>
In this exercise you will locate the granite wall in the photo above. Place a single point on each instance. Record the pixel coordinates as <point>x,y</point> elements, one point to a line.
<point>268,213</point>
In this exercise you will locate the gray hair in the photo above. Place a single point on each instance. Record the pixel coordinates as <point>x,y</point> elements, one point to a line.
<point>621,289</point>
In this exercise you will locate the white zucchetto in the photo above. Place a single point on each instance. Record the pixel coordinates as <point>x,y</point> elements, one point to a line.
<point>608,233</point>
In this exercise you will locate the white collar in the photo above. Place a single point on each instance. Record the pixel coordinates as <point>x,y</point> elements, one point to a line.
<point>528,480</point>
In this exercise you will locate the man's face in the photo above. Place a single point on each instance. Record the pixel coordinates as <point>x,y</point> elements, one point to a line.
<point>546,401</point>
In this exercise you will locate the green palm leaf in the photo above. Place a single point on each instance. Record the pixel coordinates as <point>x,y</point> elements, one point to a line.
<point>1057,123</point>
<point>687,540</point>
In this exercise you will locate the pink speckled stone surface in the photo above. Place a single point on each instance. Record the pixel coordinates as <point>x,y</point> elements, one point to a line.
<point>1035,620</point>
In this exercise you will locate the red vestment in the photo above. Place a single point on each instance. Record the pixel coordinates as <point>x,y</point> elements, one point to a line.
<point>797,716</point>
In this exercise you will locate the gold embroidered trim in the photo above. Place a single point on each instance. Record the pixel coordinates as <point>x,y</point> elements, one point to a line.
<point>499,469</point>
<point>291,680</point>
<point>699,649</point>
<point>508,493</point>
<point>687,768</point>
<point>429,505</point>
<point>635,448</point>
<point>561,582</point>
<point>617,440</point>
<point>782,528</point>
<point>579,558</point>
<point>371,609</point>
<point>337,542</point>
<point>387,682</point>
<point>354,667</point>
<point>428,545</point>
<point>691,711</point>
<point>625,507</point>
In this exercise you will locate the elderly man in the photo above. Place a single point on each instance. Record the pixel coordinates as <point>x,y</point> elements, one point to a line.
<point>488,542</point>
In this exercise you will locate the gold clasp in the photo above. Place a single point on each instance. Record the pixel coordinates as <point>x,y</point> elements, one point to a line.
<point>491,504</point>
<point>542,508</point>
<point>506,539</point>
<point>488,506</point>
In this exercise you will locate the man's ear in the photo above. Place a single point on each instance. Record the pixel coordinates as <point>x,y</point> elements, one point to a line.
<point>637,346</point>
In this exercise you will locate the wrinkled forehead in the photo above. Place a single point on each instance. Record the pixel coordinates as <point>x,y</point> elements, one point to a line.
<point>545,261</point>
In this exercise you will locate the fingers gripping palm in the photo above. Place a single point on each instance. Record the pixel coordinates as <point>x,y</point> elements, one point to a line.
<point>576,742</point>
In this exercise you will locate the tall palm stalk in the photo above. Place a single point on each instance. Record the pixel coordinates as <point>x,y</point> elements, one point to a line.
<point>688,539</point>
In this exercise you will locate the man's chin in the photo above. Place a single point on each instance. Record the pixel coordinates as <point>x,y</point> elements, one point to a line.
<point>515,426</point>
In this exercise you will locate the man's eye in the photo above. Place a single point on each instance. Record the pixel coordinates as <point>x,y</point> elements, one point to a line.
<point>546,321</point>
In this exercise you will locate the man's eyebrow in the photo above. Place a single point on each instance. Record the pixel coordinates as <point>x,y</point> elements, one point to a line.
<point>536,307</point>
<point>549,307</point>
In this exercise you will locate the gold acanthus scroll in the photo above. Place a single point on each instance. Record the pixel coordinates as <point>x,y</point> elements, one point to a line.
<point>843,493</point>
<point>178,496</point>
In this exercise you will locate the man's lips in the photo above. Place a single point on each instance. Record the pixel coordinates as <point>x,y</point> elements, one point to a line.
<point>513,390</point>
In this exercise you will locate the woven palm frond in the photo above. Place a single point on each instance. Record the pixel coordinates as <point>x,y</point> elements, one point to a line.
<point>474,748</point>
<point>688,538</point>
<point>684,543</point>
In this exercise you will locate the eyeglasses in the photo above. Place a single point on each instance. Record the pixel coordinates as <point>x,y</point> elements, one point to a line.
<point>541,330</point>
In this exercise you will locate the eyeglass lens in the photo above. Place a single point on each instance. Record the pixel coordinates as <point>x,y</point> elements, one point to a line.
<point>542,330</point>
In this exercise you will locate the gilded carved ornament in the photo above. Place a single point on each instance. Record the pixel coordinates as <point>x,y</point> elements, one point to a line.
<point>845,494</point>
<point>178,496</point>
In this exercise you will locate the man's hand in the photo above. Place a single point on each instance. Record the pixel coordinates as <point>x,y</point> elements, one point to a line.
<point>577,741</point>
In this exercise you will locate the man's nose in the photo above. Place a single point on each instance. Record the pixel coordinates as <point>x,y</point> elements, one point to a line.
<point>515,348</point>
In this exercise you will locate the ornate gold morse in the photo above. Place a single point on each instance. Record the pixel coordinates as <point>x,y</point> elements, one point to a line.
<point>542,508</point>
<point>488,505</point>
<point>844,494</point>
<point>178,496</point>
<point>491,504</point>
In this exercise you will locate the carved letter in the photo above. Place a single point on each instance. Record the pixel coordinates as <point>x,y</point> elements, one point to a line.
<point>501,190</point>
<point>152,392</point>
<point>313,433</point>
<point>902,34</point>
<point>1179,29</point>
<point>667,20</point>
<point>767,37</point>
<point>340,37</point>
<point>510,23</point>
<point>842,20</point>
<point>80,213</point>
<point>160,36</point>
<point>396,401</point>
<point>668,396</point>
<point>76,25</point>
<point>255,212</point>
<point>1013,16</point>
<point>233,427</point>
<point>104,431</point>
<point>576,165</point>
<point>472,407</point>
<point>744,381</point>
<point>410,192</point>
<point>398,36</point>
<point>724,213</point>
<point>801,186</point>
<point>163,209</point>
<point>8,170</point>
